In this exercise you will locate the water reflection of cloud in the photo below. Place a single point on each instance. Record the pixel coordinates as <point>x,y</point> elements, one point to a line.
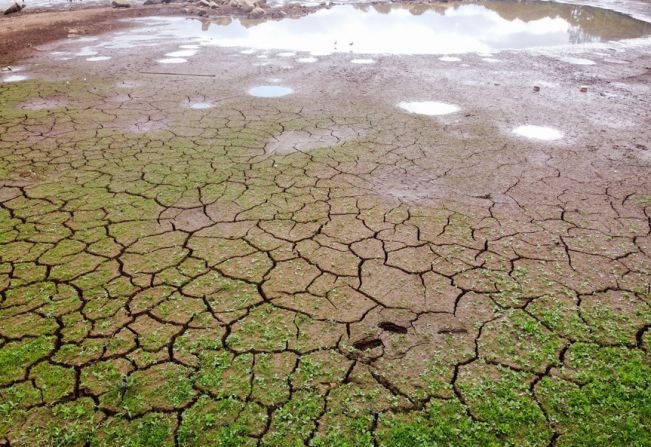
<point>393,30</point>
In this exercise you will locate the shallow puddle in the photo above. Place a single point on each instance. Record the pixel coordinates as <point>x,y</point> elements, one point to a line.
<point>201,105</point>
<point>542,133</point>
<point>270,91</point>
<point>413,29</point>
<point>14,78</point>
<point>181,53</point>
<point>431,108</point>
<point>172,60</point>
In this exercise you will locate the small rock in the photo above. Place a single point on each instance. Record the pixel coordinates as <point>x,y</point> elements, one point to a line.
<point>246,5</point>
<point>257,13</point>
<point>14,7</point>
<point>536,88</point>
<point>213,4</point>
<point>205,3</point>
<point>120,4</point>
<point>583,88</point>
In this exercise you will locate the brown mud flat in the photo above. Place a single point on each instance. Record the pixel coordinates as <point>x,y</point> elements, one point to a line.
<point>22,32</point>
<point>324,268</point>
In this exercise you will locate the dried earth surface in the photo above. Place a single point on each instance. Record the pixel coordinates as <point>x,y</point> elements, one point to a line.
<point>183,264</point>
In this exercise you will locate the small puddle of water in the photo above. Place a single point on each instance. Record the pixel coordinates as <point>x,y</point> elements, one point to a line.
<point>172,60</point>
<point>449,59</point>
<point>362,61</point>
<point>201,105</point>
<point>181,53</point>
<point>431,108</point>
<point>541,133</point>
<point>270,91</point>
<point>14,78</point>
<point>451,28</point>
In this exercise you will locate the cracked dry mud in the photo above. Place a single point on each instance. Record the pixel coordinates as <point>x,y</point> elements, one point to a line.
<point>324,268</point>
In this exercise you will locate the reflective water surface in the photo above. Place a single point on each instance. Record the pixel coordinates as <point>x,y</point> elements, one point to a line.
<point>542,133</point>
<point>450,28</point>
<point>270,91</point>
<point>431,108</point>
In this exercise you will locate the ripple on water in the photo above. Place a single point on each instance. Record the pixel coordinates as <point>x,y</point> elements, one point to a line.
<point>98,58</point>
<point>541,133</point>
<point>431,108</point>
<point>450,59</point>
<point>270,91</point>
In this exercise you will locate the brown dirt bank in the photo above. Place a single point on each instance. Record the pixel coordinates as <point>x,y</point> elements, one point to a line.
<point>22,32</point>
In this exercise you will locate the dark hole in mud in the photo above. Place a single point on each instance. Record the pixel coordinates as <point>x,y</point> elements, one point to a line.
<point>367,344</point>
<point>453,330</point>
<point>392,327</point>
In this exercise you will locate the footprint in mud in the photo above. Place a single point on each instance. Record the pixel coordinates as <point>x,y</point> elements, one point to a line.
<point>367,344</point>
<point>392,327</point>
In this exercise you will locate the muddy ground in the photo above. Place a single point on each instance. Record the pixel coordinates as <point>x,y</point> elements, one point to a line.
<point>21,33</point>
<point>324,268</point>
